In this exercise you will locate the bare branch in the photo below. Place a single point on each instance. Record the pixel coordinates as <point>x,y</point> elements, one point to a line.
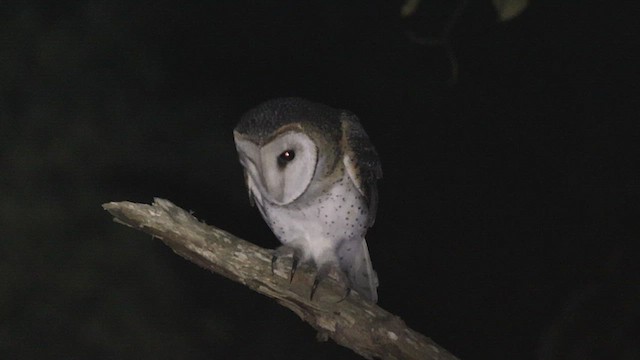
<point>354,322</point>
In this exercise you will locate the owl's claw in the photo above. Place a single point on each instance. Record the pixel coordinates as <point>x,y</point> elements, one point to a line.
<point>294,267</point>
<point>323,273</point>
<point>346,295</point>
<point>286,251</point>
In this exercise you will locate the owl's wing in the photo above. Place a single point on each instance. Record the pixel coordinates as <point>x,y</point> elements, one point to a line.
<point>361,161</point>
<point>354,259</point>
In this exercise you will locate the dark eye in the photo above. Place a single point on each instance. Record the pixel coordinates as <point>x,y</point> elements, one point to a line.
<point>286,157</point>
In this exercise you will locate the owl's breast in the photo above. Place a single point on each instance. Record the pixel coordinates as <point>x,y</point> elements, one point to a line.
<point>318,225</point>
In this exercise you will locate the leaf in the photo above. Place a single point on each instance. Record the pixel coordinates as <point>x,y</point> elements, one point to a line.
<point>409,8</point>
<point>509,9</point>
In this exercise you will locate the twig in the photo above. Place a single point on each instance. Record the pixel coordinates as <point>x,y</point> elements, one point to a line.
<point>444,40</point>
<point>354,322</point>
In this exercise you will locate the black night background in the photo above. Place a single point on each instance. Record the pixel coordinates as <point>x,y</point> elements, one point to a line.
<point>507,223</point>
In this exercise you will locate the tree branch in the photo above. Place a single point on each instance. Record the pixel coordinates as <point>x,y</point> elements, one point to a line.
<point>354,322</point>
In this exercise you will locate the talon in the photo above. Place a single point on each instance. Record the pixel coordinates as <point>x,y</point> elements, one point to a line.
<point>284,251</point>
<point>314,287</point>
<point>294,266</point>
<point>346,295</point>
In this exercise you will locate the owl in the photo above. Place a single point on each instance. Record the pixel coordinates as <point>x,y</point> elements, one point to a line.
<point>311,171</point>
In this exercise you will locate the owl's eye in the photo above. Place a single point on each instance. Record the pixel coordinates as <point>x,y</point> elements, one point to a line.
<point>286,157</point>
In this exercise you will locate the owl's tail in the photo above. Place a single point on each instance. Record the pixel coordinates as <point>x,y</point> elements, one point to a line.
<point>354,259</point>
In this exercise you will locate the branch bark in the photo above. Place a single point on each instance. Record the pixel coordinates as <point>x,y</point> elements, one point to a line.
<point>353,322</point>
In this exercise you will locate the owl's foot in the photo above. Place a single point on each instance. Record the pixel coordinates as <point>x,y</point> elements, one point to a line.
<point>323,273</point>
<point>285,251</point>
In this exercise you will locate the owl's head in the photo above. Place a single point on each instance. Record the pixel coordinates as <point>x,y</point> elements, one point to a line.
<point>285,145</point>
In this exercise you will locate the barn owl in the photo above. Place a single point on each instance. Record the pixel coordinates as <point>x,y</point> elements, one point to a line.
<point>311,171</point>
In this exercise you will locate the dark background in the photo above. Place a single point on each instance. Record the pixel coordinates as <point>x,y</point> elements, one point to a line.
<point>505,225</point>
